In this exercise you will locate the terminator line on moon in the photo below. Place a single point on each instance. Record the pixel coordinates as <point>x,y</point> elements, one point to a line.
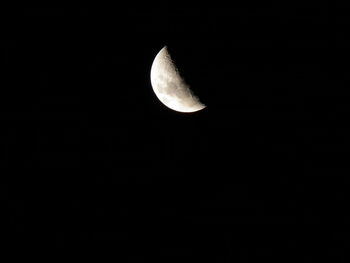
<point>169,87</point>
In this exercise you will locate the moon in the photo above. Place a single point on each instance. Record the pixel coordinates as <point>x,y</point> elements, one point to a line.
<point>169,87</point>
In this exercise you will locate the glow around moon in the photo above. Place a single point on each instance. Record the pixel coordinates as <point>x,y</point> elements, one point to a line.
<point>169,86</point>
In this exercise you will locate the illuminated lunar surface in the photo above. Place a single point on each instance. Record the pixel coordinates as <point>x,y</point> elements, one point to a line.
<point>169,87</point>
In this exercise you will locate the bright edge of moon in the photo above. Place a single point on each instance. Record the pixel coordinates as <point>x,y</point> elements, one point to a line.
<point>169,87</point>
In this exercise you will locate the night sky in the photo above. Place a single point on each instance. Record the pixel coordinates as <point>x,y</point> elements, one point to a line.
<point>94,165</point>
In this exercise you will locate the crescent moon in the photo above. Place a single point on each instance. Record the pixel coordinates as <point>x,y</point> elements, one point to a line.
<point>169,87</point>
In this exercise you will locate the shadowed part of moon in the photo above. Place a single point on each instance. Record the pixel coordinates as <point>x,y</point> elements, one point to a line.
<point>169,86</point>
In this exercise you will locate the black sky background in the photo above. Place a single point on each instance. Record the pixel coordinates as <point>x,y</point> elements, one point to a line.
<point>93,164</point>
